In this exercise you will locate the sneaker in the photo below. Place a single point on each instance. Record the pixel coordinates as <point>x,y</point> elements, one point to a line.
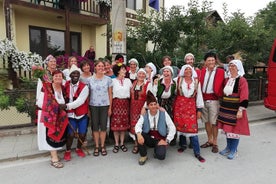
<point>80,153</point>
<point>142,160</point>
<point>67,156</point>
<point>232,155</point>
<point>200,158</point>
<point>225,152</point>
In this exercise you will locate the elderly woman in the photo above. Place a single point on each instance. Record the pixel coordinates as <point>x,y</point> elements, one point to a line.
<point>119,120</point>
<point>187,108</point>
<point>52,120</point>
<point>133,67</point>
<point>232,117</point>
<point>138,95</point>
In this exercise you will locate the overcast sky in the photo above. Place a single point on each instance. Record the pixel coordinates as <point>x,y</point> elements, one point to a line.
<point>249,7</point>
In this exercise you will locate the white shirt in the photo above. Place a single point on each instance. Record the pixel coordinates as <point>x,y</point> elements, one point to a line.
<point>169,123</point>
<point>210,83</point>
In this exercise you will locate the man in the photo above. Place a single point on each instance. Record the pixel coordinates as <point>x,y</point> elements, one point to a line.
<point>77,109</point>
<point>225,65</point>
<point>154,129</point>
<point>211,79</point>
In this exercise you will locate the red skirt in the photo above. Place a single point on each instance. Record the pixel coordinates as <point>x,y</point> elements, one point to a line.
<point>135,112</point>
<point>184,113</point>
<point>120,115</point>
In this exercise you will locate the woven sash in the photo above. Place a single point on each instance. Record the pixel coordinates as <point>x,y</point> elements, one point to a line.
<point>228,110</point>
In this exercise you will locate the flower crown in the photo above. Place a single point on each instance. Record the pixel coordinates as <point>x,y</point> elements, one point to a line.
<point>121,60</point>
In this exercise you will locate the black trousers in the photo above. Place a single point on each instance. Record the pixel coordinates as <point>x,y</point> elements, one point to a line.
<point>159,150</point>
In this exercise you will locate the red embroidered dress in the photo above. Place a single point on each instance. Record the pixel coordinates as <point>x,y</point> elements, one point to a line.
<point>185,116</point>
<point>137,101</point>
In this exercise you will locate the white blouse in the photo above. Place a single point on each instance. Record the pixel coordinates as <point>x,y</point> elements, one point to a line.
<point>121,89</point>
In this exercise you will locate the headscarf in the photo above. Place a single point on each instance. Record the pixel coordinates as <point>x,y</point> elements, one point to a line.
<point>239,66</point>
<point>135,61</point>
<point>181,73</point>
<point>142,70</point>
<point>188,54</point>
<point>169,68</point>
<point>152,66</point>
<point>48,58</point>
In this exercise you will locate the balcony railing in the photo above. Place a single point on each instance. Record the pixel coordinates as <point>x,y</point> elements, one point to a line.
<point>89,7</point>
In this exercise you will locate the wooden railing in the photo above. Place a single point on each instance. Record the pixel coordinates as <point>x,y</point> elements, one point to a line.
<point>89,7</point>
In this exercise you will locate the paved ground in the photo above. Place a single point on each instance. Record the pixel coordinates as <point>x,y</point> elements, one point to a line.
<point>255,164</point>
<point>21,143</point>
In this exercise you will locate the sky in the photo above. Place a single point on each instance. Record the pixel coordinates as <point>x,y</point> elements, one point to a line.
<point>248,7</point>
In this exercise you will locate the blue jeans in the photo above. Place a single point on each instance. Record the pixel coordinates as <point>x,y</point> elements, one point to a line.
<point>194,140</point>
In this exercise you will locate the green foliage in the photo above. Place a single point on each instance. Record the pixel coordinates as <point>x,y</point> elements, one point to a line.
<point>4,100</point>
<point>185,29</point>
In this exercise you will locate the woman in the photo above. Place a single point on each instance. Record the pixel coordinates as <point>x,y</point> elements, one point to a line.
<point>108,69</point>
<point>100,106</point>
<point>86,74</point>
<point>187,108</point>
<point>138,94</point>
<point>119,120</point>
<point>133,67</point>
<point>232,117</point>
<point>85,77</point>
<point>151,72</point>
<point>71,60</point>
<point>52,120</point>
<point>165,89</point>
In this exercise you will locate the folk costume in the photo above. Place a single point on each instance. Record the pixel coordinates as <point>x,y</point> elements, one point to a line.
<point>77,110</point>
<point>188,101</point>
<point>132,75</point>
<point>166,96</point>
<point>137,101</point>
<point>52,121</point>
<point>120,104</point>
<point>153,128</point>
<point>235,99</point>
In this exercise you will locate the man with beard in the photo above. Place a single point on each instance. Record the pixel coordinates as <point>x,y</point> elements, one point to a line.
<point>77,109</point>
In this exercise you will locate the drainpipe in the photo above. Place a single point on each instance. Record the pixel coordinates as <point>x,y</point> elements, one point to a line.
<point>67,28</point>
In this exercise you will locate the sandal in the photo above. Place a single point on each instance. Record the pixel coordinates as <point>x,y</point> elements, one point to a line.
<point>57,164</point>
<point>206,145</point>
<point>215,149</point>
<point>115,149</point>
<point>103,151</point>
<point>135,150</point>
<point>123,148</point>
<point>96,151</point>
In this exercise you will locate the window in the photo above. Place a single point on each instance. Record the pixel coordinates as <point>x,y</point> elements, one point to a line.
<point>45,41</point>
<point>135,4</point>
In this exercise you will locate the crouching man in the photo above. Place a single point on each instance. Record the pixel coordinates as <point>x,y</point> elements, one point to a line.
<point>154,129</point>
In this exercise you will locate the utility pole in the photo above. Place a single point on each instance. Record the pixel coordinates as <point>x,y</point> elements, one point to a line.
<point>118,21</point>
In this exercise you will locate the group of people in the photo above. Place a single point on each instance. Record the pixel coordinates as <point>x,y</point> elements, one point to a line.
<point>155,109</point>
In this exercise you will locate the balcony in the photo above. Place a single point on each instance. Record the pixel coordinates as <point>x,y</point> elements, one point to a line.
<point>85,12</point>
